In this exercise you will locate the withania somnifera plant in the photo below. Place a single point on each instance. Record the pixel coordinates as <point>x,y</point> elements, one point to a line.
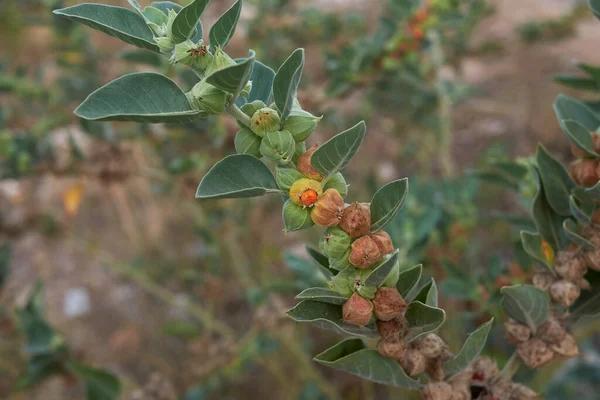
<point>368,296</point>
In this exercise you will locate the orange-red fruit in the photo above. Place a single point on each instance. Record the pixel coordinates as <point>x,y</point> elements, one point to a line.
<point>309,197</point>
<point>356,219</point>
<point>306,168</point>
<point>388,303</point>
<point>383,242</point>
<point>328,209</point>
<point>364,252</point>
<point>584,172</point>
<point>357,310</point>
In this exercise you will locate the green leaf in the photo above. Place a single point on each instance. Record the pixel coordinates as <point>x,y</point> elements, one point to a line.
<point>139,97</point>
<point>331,157</point>
<point>135,4</point>
<point>532,244</point>
<point>576,82</point>
<point>41,338</point>
<point>387,202</point>
<point>379,274</point>
<point>594,191</point>
<point>352,356</point>
<point>591,70</point>
<point>99,384</point>
<point>262,83</point>
<point>587,308</point>
<point>582,213</point>
<point>222,31</point>
<point>321,261</point>
<point>286,81</point>
<point>5,255</point>
<point>329,316</point>
<point>118,22</point>
<point>579,136</point>
<point>571,230</point>
<point>323,295</point>
<point>556,182</point>
<point>187,19</point>
<point>567,108</point>
<point>428,294</point>
<point>470,350</point>
<point>143,57</point>
<point>165,6</point>
<point>547,222</point>
<point>233,79</point>
<point>408,280</point>
<point>314,275</point>
<point>423,319</point>
<point>595,6</point>
<point>525,304</point>
<point>237,176</point>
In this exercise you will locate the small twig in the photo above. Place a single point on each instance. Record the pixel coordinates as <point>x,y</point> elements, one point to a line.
<point>512,366</point>
<point>238,114</point>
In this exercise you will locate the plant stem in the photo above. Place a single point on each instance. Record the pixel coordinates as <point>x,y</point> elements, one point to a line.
<point>444,108</point>
<point>512,366</point>
<point>238,114</point>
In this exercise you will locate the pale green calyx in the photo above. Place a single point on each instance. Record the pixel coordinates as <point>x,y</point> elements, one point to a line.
<point>246,142</point>
<point>278,146</point>
<point>296,217</point>
<point>264,121</point>
<point>337,182</point>
<point>196,55</point>
<point>343,283</point>
<point>208,98</point>
<point>286,177</point>
<point>335,243</point>
<point>220,60</point>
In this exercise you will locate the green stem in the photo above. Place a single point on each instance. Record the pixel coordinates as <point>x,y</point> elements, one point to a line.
<point>512,366</point>
<point>238,114</point>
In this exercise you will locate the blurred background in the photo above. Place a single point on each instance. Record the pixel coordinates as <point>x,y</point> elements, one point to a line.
<point>105,251</point>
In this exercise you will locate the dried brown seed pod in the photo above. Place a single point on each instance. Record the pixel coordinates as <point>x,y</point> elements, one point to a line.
<point>306,168</point>
<point>564,292</point>
<point>566,348</point>
<point>500,388</point>
<point>392,349</point>
<point>413,362</point>
<point>535,353</point>
<point>364,253</point>
<point>543,280</point>
<point>383,242</point>
<point>521,392</point>
<point>461,392</point>
<point>592,259</point>
<point>436,391</point>
<point>551,331</point>
<point>388,303</point>
<point>357,310</point>
<point>584,284</point>
<point>328,209</point>
<point>430,345</point>
<point>435,368</point>
<point>577,152</point>
<point>393,329</point>
<point>356,219</point>
<point>569,265</point>
<point>584,172</point>
<point>485,367</point>
<point>516,333</point>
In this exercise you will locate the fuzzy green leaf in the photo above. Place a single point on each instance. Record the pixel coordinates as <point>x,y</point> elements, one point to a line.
<point>547,222</point>
<point>428,294</point>
<point>572,230</point>
<point>329,316</point>
<point>580,210</point>
<point>320,261</point>
<point>532,244</point>
<point>139,97</point>
<point>576,82</point>
<point>262,83</point>
<point>408,280</point>
<point>233,79</point>
<point>556,182</point>
<point>387,202</point>
<point>237,176</point>
<point>354,357</point>
<point>165,6</point>
<point>296,217</point>
<point>323,295</point>
<point>331,157</point>
<point>379,274</point>
<point>579,135</point>
<point>222,31</point>
<point>568,108</point>
<point>423,319</point>
<point>99,384</point>
<point>286,81</point>
<point>187,19</point>
<point>119,22</point>
<point>470,350</point>
<point>594,191</point>
<point>525,304</point>
<point>595,6</point>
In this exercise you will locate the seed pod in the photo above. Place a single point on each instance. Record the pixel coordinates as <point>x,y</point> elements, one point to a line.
<point>393,276</point>
<point>435,368</point>
<point>356,219</point>
<point>485,368</point>
<point>338,183</point>
<point>535,353</point>
<point>388,304</point>
<point>251,107</point>
<point>357,311</point>
<point>430,345</point>
<point>566,348</point>
<point>521,392</point>
<point>306,167</point>
<point>570,266</point>
<point>383,242</point>
<point>305,192</point>
<point>368,292</point>
<point>500,388</point>
<point>364,252</point>
<point>543,280</point>
<point>278,146</point>
<point>246,90</point>
<point>209,98</point>
<point>551,331</point>
<point>592,259</point>
<point>343,282</point>
<point>194,55</point>
<point>246,142</point>
<point>584,172</point>
<point>462,378</point>
<point>296,217</point>
<point>328,209</point>
<point>220,60</point>
<point>342,263</point>
<point>266,120</point>
<point>584,284</point>
<point>564,292</point>
<point>516,333</point>
<point>436,391</point>
<point>286,177</point>
<point>334,242</point>
<point>577,152</point>
<point>301,125</point>
<point>413,362</point>
<point>461,392</point>
<point>394,329</point>
<point>392,349</point>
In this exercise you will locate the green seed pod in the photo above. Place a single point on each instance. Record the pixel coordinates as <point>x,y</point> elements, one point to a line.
<point>286,177</point>
<point>194,55</point>
<point>165,44</point>
<point>264,121</point>
<point>338,183</point>
<point>368,292</point>
<point>250,108</point>
<point>296,217</point>
<point>343,282</point>
<point>341,263</point>
<point>246,142</point>
<point>392,278</point>
<point>301,124</point>
<point>246,91</point>
<point>300,149</point>
<point>209,98</point>
<point>334,243</point>
<point>220,60</point>
<point>278,146</point>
